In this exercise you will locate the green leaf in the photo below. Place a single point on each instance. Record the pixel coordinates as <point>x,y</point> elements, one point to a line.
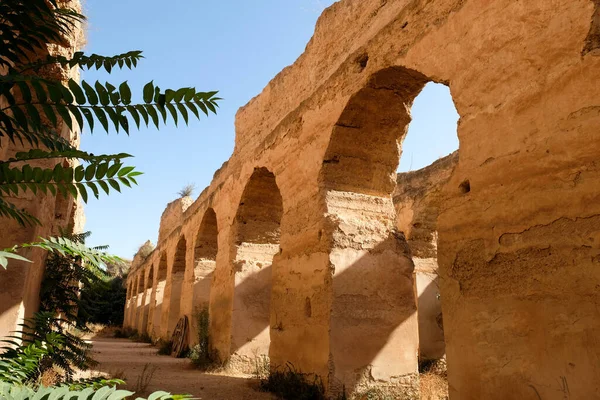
<point>25,91</point>
<point>79,173</point>
<point>113,117</point>
<point>113,169</point>
<point>142,110</point>
<point>77,113</point>
<point>34,115</point>
<point>125,93</point>
<point>173,112</point>
<point>148,92</point>
<point>90,172</point>
<point>104,186</point>
<point>55,93</point>
<point>49,111</point>
<point>40,93</point>
<point>114,184</point>
<point>152,112</point>
<point>77,92</point>
<point>89,118</point>
<point>136,116</point>
<point>82,192</point>
<point>64,113</point>
<point>90,93</point>
<point>183,112</point>
<point>124,171</point>
<point>101,116</point>
<point>102,93</point>
<point>101,170</point>
<point>94,188</point>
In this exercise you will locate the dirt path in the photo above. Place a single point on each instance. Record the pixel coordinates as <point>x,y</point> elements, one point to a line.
<point>121,358</point>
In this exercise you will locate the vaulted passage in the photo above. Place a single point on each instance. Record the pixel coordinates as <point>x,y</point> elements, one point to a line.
<point>175,294</point>
<point>374,328</point>
<point>159,328</point>
<point>205,262</point>
<point>429,158</point>
<point>146,299</point>
<point>256,234</point>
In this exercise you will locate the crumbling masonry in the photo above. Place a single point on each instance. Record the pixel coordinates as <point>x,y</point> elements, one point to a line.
<point>308,249</point>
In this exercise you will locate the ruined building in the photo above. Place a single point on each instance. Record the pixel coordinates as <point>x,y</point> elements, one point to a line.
<point>308,248</point>
<point>20,282</point>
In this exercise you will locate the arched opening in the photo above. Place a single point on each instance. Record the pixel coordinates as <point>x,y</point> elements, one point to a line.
<point>205,262</point>
<point>139,289</point>
<point>148,277</point>
<point>374,327</point>
<point>129,308</point>
<point>429,157</point>
<point>159,294</point>
<point>177,277</point>
<point>256,235</point>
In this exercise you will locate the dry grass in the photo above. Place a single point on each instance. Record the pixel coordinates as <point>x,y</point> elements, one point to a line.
<point>433,386</point>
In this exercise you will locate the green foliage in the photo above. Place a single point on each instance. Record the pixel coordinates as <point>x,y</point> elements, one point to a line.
<point>290,384</point>
<point>22,362</point>
<point>10,391</point>
<point>200,354</point>
<point>37,106</point>
<point>73,354</point>
<point>62,246</point>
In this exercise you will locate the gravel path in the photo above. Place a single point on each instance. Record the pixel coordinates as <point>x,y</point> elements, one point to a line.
<point>121,358</point>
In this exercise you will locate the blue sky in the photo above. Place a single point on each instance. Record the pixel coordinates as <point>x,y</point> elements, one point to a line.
<point>232,46</point>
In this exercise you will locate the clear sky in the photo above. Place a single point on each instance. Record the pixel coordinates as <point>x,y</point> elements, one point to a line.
<point>234,46</point>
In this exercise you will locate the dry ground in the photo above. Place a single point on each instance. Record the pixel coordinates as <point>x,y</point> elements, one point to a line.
<point>121,358</point>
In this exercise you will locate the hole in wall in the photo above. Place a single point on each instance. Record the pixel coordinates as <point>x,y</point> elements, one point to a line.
<point>308,308</point>
<point>465,187</point>
<point>362,61</point>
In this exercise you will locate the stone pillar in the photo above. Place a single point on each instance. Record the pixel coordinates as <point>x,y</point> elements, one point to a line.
<point>374,327</point>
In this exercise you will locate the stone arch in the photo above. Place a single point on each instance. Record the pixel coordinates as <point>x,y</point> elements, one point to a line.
<point>255,238</point>
<point>159,296</point>
<point>147,278</point>
<point>206,248</point>
<point>140,283</point>
<point>374,327</point>
<point>177,278</point>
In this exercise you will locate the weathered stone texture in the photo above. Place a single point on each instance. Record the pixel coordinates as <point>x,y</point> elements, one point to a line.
<point>518,243</point>
<point>418,198</point>
<point>20,282</point>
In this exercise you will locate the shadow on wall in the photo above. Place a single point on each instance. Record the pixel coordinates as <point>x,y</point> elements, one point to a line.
<point>374,334</point>
<point>253,298</point>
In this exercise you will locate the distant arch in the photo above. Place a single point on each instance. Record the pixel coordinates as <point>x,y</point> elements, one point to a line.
<point>256,235</point>
<point>177,278</point>
<point>206,248</point>
<point>159,294</point>
<point>373,262</point>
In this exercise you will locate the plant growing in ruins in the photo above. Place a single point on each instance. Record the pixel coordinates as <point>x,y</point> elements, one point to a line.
<point>293,385</point>
<point>187,190</point>
<point>200,354</point>
<point>34,109</point>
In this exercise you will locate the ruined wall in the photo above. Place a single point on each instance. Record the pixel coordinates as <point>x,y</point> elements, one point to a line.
<point>518,236</point>
<point>20,282</point>
<point>418,199</point>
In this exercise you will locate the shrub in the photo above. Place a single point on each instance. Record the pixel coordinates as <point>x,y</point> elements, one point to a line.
<point>165,347</point>
<point>200,354</point>
<point>125,333</point>
<point>293,385</point>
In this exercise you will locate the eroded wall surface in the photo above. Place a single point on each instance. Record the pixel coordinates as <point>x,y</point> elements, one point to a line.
<point>418,199</point>
<point>20,282</point>
<point>518,233</point>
